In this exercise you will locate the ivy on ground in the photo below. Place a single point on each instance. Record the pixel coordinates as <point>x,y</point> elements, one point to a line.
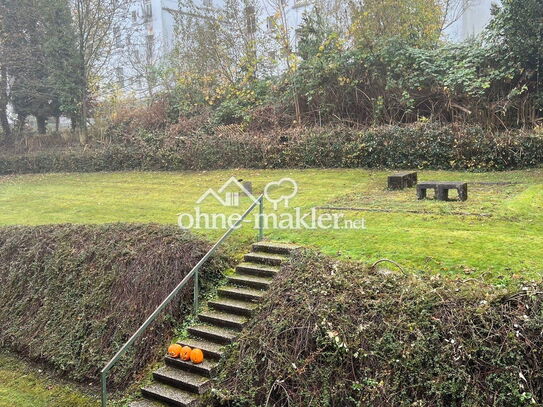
<point>335,333</point>
<point>73,294</point>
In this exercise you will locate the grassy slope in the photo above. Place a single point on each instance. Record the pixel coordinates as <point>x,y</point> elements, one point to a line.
<point>22,386</point>
<point>502,247</point>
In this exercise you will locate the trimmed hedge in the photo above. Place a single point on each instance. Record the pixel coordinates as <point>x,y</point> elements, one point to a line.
<point>424,146</point>
<point>333,333</point>
<point>72,294</point>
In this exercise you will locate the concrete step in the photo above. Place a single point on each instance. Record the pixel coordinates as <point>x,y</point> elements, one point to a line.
<point>274,247</point>
<point>170,395</point>
<point>256,269</point>
<point>213,333</point>
<point>179,382</point>
<point>146,403</point>
<point>210,348</point>
<point>233,306</point>
<point>245,280</point>
<point>265,258</point>
<point>223,319</point>
<point>181,379</point>
<point>206,368</point>
<point>241,293</point>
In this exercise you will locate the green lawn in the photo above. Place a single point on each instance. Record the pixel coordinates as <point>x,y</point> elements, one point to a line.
<point>25,386</point>
<point>502,247</point>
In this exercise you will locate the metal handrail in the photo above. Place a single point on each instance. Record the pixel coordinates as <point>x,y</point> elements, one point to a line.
<point>193,273</point>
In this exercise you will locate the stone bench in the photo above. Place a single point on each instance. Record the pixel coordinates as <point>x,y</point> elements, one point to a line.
<point>402,180</point>
<point>441,189</point>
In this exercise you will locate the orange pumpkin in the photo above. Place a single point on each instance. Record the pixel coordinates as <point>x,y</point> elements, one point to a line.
<point>185,353</point>
<point>196,356</point>
<point>174,350</point>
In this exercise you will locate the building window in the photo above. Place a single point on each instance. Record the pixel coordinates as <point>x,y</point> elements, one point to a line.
<point>250,19</point>
<point>149,45</point>
<point>147,12</point>
<point>120,76</point>
<point>134,16</point>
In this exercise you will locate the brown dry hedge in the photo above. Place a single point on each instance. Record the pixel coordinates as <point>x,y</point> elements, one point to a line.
<point>338,334</point>
<point>71,295</point>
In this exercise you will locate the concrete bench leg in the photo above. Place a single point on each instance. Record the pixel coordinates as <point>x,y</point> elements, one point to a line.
<point>463,193</point>
<point>442,194</point>
<point>421,192</point>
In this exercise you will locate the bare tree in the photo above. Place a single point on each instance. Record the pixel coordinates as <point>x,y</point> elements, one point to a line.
<point>453,10</point>
<point>283,35</point>
<point>145,55</point>
<point>338,17</point>
<point>94,22</point>
<point>218,40</point>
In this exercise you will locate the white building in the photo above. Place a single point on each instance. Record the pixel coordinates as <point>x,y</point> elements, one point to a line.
<point>151,32</point>
<point>472,17</point>
<point>142,39</point>
<point>148,32</point>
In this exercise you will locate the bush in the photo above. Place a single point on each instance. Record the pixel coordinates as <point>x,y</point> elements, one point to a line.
<point>336,333</point>
<point>421,145</point>
<point>72,294</point>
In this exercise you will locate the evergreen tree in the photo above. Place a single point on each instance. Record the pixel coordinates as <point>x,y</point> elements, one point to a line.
<point>40,58</point>
<point>61,55</point>
<point>26,61</point>
<point>517,28</point>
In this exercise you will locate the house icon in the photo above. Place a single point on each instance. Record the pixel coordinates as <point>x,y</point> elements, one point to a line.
<point>227,198</point>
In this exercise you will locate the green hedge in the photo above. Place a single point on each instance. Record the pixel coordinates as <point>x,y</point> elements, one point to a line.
<point>71,295</point>
<point>334,333</point>
<point>424,146</point>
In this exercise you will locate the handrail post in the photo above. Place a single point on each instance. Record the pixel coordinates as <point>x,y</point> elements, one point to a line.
<point>103,380</point>
<point>261,219</point>
<point>196,292</point>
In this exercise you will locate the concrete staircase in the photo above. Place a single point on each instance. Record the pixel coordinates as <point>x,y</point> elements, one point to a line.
<point>181,383</point>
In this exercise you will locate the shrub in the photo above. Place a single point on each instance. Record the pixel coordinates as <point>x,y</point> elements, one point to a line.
<point>334,333</point>
<point>421,145</point>
<point>124,116</point>
<point>72,294</point>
